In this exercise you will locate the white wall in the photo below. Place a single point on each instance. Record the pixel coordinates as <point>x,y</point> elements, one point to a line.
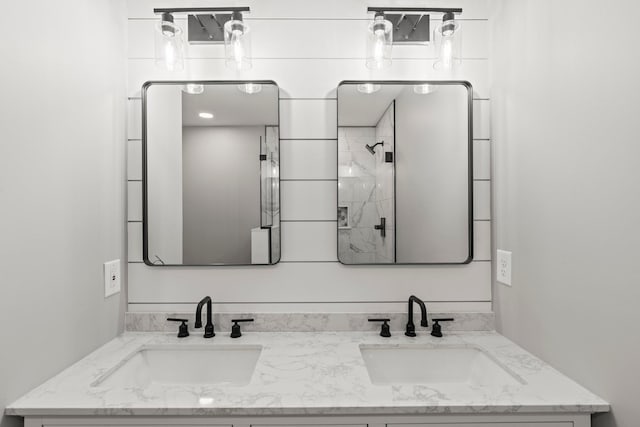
<point>221,184</point>
<point>328,46</point>
<point>164,156</point>
<point>567,197</point>
<point>432,179</point>
<point>62,185</point>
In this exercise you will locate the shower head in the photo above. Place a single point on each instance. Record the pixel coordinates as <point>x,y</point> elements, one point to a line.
<point>372,148</point>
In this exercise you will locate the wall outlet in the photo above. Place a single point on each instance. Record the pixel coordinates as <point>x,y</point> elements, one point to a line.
<point>111,278</point>
<point>504,267</point>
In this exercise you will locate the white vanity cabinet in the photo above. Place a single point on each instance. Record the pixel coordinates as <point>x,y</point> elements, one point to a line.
<point>444,420</point>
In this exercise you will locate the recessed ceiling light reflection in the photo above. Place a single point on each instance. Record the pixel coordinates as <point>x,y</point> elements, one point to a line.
<point>193,88</point>
<point>206,115</point>
<point>250,88</point>
<point>368,88</point>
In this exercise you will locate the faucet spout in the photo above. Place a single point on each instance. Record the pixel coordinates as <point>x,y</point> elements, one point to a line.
<point>411,327</point>
<point>208,328</point>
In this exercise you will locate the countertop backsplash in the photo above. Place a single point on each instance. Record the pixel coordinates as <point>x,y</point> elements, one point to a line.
<point>308,322</point>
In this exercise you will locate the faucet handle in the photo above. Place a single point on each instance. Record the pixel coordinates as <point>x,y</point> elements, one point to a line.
<point>385,331</point>
<point>436,329</point>
<point>235,329</point>
<point>183,330</point>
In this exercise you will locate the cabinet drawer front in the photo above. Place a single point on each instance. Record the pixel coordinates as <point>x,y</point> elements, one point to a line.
<point>308,425</point>
<point>142,424</point>
<point>488,424</point>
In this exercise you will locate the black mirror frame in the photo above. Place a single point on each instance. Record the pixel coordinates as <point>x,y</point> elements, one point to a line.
<point>469,88</point>
<point>145,221</point>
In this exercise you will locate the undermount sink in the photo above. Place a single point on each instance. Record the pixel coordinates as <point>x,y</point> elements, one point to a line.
<point>441,365</point>
<point>181,364</point>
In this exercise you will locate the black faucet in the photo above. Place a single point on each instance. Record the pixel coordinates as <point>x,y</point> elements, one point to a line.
<point>208,328</point>
<point>411,328</point>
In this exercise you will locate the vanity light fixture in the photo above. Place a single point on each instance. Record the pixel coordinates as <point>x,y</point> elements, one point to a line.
<point>448,43</point>
<point>368,88</point>
<point>379,42</point>
<point>250,88</point>
<point>193,88</point>
<point>206,25</point>
<point>169,45</point>
<point>205,115</point>
<point>237,42</point>
<point>403,25</point>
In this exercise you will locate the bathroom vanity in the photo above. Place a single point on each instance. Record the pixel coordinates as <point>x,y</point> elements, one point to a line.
<point>310,379</point>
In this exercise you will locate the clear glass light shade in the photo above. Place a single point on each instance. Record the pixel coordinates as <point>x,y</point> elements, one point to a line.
<point>379,43</point>
<point>250,88</point>
<point>448,42</point>
<point>237,45</point>
<point>368,88</point>
<point>169,46</point>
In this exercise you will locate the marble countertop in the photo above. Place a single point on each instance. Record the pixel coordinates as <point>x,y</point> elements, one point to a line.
<point>311,373</point>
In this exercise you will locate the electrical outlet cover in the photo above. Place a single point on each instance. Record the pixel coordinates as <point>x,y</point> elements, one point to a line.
<point>111,278</point>
<point>503,267</point>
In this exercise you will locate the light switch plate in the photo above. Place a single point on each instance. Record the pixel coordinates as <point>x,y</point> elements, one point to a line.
<point>503,267</point>
<point>111,278</point>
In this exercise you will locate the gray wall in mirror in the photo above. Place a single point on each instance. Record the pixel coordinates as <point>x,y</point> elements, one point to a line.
<point>211,184</point>
<point>417,181</point>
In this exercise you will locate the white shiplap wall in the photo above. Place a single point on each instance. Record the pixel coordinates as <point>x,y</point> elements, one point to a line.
<point>308,47</point>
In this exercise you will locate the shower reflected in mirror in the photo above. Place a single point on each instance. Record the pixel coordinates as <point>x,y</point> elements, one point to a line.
<point>405,173</point>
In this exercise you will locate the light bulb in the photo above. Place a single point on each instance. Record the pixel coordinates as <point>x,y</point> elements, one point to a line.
<point>170,56</point>
<point>238,51</point>
<point>446,55</point>
<point>378,50</point>
<point>205,115</point>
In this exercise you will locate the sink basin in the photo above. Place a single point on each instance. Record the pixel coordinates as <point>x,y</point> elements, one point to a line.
<point>442,365</point>
<point>182,364</point>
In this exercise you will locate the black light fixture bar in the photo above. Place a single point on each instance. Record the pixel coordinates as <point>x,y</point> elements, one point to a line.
<point>201,9</point>
<point>415,9</point>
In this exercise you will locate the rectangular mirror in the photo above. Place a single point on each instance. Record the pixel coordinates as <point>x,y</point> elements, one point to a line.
<point>405,175</point>
<point>211,167</point>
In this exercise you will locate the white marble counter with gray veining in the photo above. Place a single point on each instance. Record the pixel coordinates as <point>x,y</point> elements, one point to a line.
<point>312,373</point>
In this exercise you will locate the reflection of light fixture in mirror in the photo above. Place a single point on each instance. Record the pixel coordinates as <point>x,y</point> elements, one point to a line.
<point>368,88</point>
<point>237,43</point>
<point>448,43</point>
<point>423,89</point>
<point>379,42</point>
<point>250,88</point>
<point>204,115</point>
<point>169,46</point>
<point>193,88</point>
